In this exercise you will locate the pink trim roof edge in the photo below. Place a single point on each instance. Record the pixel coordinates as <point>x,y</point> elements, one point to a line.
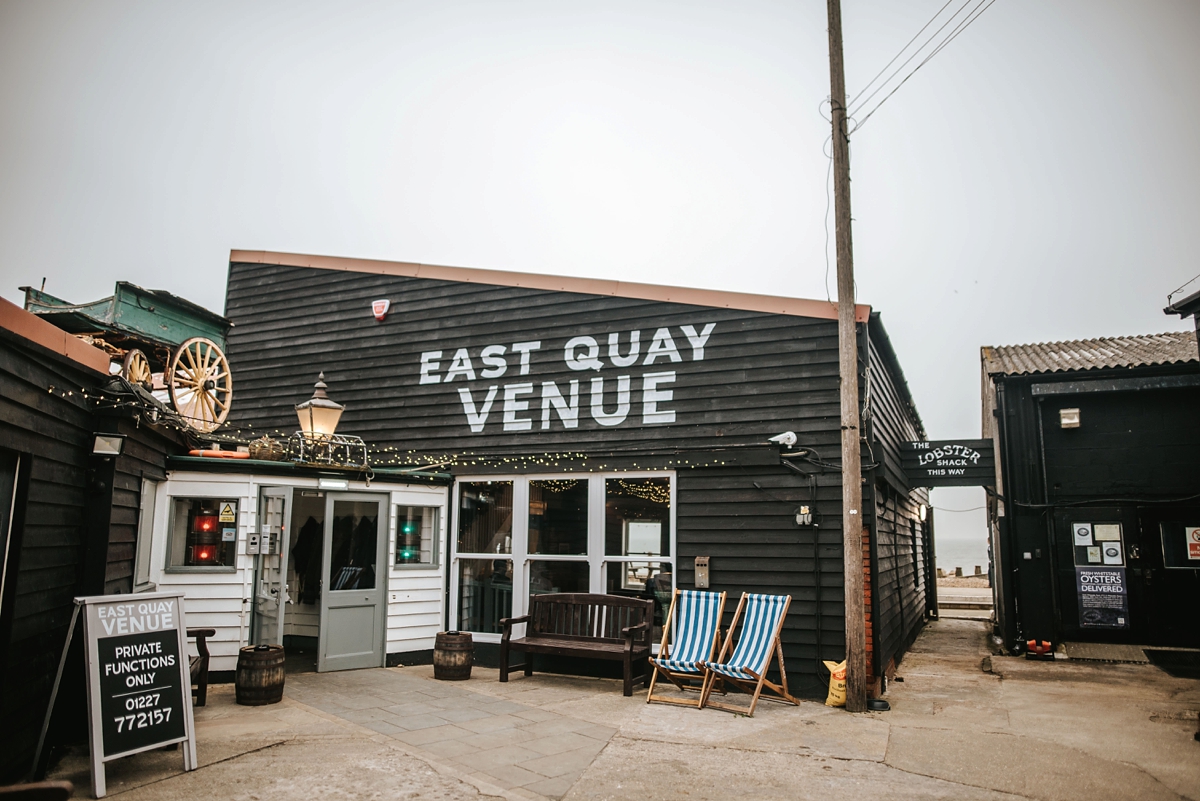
<point>33,328</point>
<point>796,307</point>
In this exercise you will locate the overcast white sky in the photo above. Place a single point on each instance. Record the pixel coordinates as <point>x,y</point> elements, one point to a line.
<point>1037,180</point>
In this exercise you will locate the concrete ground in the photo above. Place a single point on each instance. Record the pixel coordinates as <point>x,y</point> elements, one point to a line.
<point>963,725</point>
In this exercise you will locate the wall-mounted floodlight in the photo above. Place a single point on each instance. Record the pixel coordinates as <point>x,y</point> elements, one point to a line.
<point>108,444</point>
<point>1068,418</point>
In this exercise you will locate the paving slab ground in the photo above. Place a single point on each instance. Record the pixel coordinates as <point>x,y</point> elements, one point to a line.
<point>963,725</point>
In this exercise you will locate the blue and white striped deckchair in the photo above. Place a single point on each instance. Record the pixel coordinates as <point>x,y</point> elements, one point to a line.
<point>691,633</point>
<point>757,643</point>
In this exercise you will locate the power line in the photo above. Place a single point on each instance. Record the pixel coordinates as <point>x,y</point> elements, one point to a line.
<point>973,15</point>
<point>857,106</point>
<point>972,509</point>
<point>893,61</point>
<point>1173,294</point>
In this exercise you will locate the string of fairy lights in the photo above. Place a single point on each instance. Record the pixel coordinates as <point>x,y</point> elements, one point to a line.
<point>394,459</point>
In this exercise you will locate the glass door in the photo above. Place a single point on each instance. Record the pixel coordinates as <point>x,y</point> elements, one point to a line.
<point>484,560</point>
<point>270,585</point>
<point>353,601</point>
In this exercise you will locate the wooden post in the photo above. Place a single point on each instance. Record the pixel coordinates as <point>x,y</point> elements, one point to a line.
<point>852,517</point>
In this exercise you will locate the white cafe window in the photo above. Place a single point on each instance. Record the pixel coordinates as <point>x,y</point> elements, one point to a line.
<point>519,536</point>
<point>416,535</point>
<point>202,535</point>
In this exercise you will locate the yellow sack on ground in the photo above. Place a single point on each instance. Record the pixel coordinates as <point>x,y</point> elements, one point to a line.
<point>837,683</point>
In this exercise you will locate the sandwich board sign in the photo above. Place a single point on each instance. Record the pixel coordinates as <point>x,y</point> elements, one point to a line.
<point>138,677</point>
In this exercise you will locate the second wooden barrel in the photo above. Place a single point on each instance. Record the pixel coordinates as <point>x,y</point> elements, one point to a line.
<point>453,655</point>
<point>260,673</point>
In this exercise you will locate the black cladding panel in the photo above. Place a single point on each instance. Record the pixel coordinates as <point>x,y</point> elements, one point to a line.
<point>457,366</point>
<point>1128,444</point>
<point>737,378</point>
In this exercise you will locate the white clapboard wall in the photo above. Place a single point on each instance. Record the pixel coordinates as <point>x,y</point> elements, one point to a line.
<point>223,600</point>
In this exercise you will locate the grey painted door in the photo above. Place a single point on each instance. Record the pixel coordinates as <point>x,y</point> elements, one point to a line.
<point>270,581</point>
<point>353,596</point>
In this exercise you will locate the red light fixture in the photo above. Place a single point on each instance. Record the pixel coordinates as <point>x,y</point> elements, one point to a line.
<point>206,523</point>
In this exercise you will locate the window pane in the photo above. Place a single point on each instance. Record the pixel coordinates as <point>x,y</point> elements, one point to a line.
<point>416,535</point>
<point>203,532</point>
<point>650,580</point>
<point>141,574</point>
<point>545,576</point>
<point>485,512</point>
<point>637,517</point>
<point>644,578</point>
<point>355,537</point>
<point>484,594</point>
<point>558,517</point>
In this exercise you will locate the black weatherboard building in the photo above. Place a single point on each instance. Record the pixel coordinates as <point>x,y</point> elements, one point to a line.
<point>602,435</point>
<point>1095,522</point>
<point>70,520</point>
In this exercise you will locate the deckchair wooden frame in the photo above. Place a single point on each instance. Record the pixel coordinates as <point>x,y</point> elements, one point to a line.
<point>675,677</point>
<point>761,680</point>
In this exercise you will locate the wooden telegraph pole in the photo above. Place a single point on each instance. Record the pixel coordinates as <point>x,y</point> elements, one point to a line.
<point>852,517</point>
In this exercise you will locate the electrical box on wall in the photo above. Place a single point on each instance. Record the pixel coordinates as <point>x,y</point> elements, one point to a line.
<point>702,572</point>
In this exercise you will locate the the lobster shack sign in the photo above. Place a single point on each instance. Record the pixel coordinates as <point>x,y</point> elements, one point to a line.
<point>949,463</point>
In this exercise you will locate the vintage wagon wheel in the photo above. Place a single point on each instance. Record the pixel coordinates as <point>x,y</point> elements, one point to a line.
<point>136,369</point>
<point>200,384</point>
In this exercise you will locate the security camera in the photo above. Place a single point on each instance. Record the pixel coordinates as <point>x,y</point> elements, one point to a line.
<point>786,439</point>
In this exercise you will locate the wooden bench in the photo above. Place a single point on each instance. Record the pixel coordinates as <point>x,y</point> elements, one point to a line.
<point>199,663</point>
<point>610,627</point>
<point>38,791</point>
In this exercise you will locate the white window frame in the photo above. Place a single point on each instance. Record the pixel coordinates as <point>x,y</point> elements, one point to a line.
<point>145,536</point>
<point>437,533</point>
<point>596,559</point>
<point>200,495</point>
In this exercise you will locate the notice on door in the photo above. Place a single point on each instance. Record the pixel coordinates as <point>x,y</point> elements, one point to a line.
<point>1192,535</point>
<point>1103,597</point>
<point>139,682</point>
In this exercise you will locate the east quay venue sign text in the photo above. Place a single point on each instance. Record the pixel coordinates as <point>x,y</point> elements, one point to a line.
<point>139,678</point>
<point>949,463</point>
<point>625,377</point>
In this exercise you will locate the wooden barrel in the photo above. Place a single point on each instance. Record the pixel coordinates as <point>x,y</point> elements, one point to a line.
<point>453,655</point>
<point>259,677</point>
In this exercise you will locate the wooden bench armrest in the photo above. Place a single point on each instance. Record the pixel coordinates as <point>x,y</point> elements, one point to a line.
<point>506,624</point>
<point>628,631</point>
<point>201,636</point>
<point>199,663</point>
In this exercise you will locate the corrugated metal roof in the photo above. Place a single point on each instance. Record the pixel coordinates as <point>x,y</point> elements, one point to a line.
<point>1091,354</point>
